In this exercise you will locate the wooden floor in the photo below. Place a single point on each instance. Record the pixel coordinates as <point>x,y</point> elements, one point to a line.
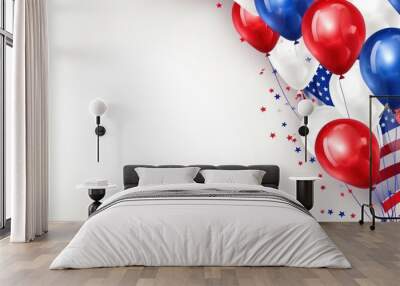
<point>375,257</point>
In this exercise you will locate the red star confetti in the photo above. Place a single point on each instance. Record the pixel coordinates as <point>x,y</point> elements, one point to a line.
<point>313,100</point>
<point>322,211</point>
<point>288,88</point>
<point>300,163</point>
<point>320,175</point>
<point>289,137</point>
<point>272,135</point>
<point>242,39</point>
<point>323,187</point>
<point>294,140</point>
<point>342,194</point>
<point>263,109</point>
<point>298,96</point>
<point>350,191</point>
<point>271,90</point>
<point>353,215</point>
<point>219,5</point>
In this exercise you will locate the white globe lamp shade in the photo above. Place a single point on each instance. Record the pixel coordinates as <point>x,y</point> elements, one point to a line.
<point>305,107</point>
<point>97,107</point>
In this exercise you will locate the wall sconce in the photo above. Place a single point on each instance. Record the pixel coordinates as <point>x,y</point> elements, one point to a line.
<point>305,108</point>
<point>97,107</point>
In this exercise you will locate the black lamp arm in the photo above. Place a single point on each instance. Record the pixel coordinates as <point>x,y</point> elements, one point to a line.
<point>99,131</point>
<point>303,131</point>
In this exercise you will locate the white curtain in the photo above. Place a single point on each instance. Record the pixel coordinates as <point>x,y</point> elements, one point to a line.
<point>28,161</point>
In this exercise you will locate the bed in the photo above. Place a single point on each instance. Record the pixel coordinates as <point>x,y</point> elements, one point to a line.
<point>199,224</point>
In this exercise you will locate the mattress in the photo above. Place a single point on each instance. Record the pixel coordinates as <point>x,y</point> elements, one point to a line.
<point>201,225</point>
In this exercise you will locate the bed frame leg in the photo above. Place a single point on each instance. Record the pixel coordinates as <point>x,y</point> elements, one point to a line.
<point>372,210</point>
<point>361,221</point>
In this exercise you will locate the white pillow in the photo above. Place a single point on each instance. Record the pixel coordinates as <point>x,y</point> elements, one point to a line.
<point>248,177</point>
<point>165,176</point>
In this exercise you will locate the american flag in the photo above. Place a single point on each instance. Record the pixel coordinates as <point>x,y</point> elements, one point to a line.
<point>319,86</point>
<point>387,191</point>
<point>388,185</point>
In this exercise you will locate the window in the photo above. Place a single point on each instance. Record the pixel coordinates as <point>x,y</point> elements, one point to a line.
<point>6,62</point>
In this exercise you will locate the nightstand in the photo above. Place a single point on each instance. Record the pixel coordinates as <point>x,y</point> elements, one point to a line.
<point>96,193</point>
<point>305,190</point>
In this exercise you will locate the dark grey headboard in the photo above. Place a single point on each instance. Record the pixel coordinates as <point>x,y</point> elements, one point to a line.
<point>271,178</point>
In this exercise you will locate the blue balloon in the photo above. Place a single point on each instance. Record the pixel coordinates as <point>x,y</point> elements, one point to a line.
<point>380,65</point>
<point>395,4</point>
<point>283,16</point>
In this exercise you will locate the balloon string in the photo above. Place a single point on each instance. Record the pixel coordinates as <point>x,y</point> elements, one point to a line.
<point>344,98</point>
<point>280,86</point>
<point>296,49</point>
<point>355,198</point>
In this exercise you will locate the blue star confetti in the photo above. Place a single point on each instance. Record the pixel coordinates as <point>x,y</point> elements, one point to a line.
<point>277,96</point>
<point>312,160</point>
<point>330,212</point>
<point>284,124</point>
<point>342,214</point>
<point>297,150</point>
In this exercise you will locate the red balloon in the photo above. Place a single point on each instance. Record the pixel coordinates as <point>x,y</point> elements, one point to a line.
<point>334,32</point>
<point>253,30</point>
<point>342,149</point>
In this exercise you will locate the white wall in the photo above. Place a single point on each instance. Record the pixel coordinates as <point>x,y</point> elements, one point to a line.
<point>181,89</point>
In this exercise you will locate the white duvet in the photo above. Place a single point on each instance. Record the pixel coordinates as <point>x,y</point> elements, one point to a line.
<point>219,232</point>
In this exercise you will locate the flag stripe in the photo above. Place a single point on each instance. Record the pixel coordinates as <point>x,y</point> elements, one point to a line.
<point>389,172</point>
<point>391,202</point>
<point>390,148</point>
